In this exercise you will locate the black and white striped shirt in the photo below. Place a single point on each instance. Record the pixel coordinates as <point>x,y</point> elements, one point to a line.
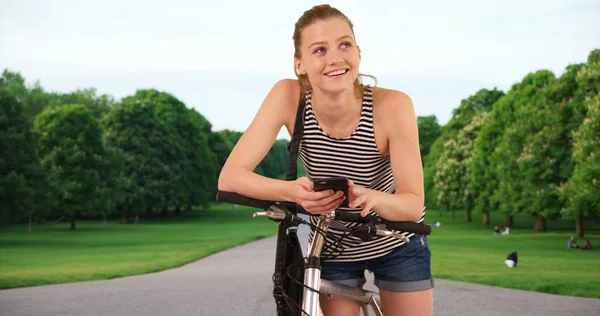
<point>357,158</point>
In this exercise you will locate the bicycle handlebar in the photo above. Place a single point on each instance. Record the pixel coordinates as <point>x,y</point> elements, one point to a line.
<point>411,227</point>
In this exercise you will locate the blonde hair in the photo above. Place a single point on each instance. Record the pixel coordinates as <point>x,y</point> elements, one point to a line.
<point>319,12</point>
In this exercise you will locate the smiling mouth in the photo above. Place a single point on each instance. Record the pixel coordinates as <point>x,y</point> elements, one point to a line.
<point>336,73</point>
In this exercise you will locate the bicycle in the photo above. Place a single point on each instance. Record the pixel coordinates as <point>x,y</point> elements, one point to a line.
<point>312,285</point>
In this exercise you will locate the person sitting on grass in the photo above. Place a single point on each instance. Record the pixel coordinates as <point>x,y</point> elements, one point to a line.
<point>496,230</point>
<point>572,243</point>
<point>587,245</point>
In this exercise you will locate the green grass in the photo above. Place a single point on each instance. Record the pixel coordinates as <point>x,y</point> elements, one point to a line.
<point>54,254</point>
<point>472,253</point>
<point>464,252</point>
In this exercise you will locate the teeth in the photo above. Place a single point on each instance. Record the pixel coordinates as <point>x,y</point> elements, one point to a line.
<point>337,72</point>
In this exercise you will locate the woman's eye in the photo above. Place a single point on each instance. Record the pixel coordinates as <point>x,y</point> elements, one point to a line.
<point>346,44</point>
<point>319,50</point>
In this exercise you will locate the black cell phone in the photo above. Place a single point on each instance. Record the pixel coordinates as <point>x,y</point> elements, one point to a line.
<point>335,184</point>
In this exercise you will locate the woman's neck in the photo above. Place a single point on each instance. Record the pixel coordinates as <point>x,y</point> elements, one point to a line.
<point>336,109</point>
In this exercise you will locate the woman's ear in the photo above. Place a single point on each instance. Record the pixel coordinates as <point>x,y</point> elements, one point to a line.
<point>298,65</point>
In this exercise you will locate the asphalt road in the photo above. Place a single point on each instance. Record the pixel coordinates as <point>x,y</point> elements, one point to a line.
<point>238,282</point>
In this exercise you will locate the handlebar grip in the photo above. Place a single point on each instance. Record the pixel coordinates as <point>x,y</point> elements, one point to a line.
<point>412,227</point>
<point>234,198</point>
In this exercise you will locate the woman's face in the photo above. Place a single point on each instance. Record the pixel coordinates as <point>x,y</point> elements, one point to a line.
<point>330,56</point>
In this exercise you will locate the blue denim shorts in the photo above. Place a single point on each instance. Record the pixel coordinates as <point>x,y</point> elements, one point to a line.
<point>406,269</point>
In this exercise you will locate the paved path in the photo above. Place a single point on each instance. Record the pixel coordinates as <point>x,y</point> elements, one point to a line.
<point>238,282</point>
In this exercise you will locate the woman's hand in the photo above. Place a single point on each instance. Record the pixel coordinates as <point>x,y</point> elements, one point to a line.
<point>363,197</point>
<point>316,202</point>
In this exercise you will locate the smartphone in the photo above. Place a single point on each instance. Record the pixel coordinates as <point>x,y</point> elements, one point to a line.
<point>335,184</point>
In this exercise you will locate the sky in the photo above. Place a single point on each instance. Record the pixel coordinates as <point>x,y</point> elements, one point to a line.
<point>223,57</point>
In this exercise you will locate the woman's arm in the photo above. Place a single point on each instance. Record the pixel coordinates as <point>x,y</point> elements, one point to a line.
<point>399,126</point>
<point>237,174</point>
<point>278,109</point>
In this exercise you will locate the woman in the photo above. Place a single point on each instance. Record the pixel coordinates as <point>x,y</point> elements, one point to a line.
<point>368,135</point>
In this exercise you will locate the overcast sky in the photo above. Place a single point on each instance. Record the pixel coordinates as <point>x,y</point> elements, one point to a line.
<point>222,57</point>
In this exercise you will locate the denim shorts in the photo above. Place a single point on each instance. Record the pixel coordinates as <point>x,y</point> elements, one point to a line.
<point>406,269</point>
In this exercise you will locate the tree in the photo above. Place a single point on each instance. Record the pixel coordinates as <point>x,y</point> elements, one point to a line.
<point>33,98</point>
<point>448,173</point>
<point>581,192</point>
<point>429,131</point>
<point>22,181</point>
<point>201,161</point>
<point>99,104</point>
<point>453,167</point>
<point>71,152</point>
<point>133,128</point>
<point>524,98</point>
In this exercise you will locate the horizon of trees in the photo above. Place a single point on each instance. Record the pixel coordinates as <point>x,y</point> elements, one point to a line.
<point>83,155</point>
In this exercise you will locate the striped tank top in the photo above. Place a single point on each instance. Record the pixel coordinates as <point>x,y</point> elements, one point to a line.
<point>357,158</point>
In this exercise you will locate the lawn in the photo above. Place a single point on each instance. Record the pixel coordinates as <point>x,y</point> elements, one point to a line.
<point>472,253</point>
<point>464,252</point>
<point>54,254</point>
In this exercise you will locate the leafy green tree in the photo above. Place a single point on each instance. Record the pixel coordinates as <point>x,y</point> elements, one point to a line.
<point>429,131</point>
<point>581,192</point>
<point>444,164</point>
<point>524,98</point>
<point>133,127</point>
<point>99,104</point>
<point>201,162</point>
<point>33,98</point>
<point>71,152</point>
<point>23,190</point>
<point>453,167</point>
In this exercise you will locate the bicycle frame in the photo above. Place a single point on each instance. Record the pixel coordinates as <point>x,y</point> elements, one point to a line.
<point>312,279</point>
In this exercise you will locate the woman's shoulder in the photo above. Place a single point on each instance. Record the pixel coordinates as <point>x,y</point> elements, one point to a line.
<point>286,89</point>
<point>390,100</point>
<point>282,101</point>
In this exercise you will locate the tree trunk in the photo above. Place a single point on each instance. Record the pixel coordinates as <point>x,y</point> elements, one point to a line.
<point>178,209</point>
<point>579,227</point>
<point>164,211</point>
<point>486,218</point>
<point>468,215</point>
<point>73,219</point>
<point>149,212</point>
<point>509,221</point>
<point>540,224</point>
